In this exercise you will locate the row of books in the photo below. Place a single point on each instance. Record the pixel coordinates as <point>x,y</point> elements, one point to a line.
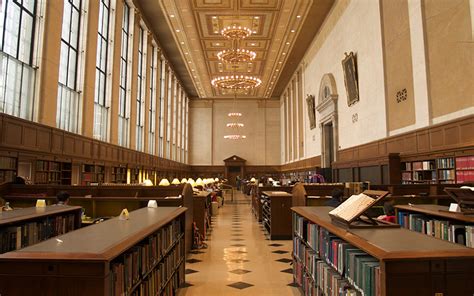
<point>47,177</point>
<point>44,165</point>
<point>445,163</point>
<point>162,249</point>
<point>446,174</point>
<point>424,176</point>
<point>423,165</point>
<point>465,176</point>
<point>7,176</point>
<point>312,243</point>
<point>17,237</point>
<point>446,230</point>
<point>465,163</point>
<point>328,282</point>
<point>7,163</point>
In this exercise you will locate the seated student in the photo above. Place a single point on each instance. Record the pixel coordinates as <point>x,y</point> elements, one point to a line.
<point>389,211</point>
<point>62,198</point>
<point>337,197</point>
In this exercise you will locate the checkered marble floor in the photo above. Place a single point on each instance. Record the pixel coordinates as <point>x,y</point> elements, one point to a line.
<point>239,259</point>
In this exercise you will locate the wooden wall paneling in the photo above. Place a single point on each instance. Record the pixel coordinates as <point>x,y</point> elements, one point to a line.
<point>466,132</point>
<point>87,149</point>
<point>436,139</point>
<point>68,145</point>
<point>57,142</point>
<point>423,141</point>
<point>452,136</point>
<point>12,135</point>
<point>96,150</point>
<point>43,138</point>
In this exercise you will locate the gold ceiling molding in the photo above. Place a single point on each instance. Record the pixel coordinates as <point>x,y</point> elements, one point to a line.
<point>195,26</point>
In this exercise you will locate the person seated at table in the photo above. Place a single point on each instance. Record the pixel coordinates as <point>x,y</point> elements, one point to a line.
<point>389,211</point>
<point>62,198</point>
<point>337,196</point>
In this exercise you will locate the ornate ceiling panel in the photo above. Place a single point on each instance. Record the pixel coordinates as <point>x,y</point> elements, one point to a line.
<point>192,39</point>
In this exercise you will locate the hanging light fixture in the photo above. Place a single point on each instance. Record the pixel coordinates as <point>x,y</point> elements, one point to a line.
<point>236,82</point>
<point>234,125</point>
<point>235,56</point>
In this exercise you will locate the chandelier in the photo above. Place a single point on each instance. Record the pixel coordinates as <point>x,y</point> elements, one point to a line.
<point>236,82</point>
<point>236,32</point>
<point>234,125</point>
<point>235,56</point>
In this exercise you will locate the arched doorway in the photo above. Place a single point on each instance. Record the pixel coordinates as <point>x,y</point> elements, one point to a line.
<point>327,109</point>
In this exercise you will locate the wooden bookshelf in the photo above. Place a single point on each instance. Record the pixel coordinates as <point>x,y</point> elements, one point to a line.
<point>202,211</point>
<point>119,175</point>
<point>94,260</point>
<point>381,261</point>
<point>437,221</point>
<point>8,169</point>
<point>107,201</point>
<point>92,173</point>
<point>53,172</point>
<point>276,214</point>
<point>24,227</point>
<point>444,170</point>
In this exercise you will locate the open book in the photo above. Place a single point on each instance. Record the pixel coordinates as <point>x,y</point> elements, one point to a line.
<point>353,207</point>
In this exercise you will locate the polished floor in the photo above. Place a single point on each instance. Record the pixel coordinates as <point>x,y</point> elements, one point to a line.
<point>239,259</point>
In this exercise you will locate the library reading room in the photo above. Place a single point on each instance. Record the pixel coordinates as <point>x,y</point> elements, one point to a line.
<point>237,147</point>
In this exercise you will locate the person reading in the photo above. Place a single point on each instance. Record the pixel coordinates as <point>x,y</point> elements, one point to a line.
<point>62,198</point>
<point>389,211</point>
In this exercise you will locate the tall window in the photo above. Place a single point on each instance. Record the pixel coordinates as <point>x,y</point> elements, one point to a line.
<point>141,90</point>
<point>17,74</point>
<point>179,111</point>
<point>183,127</point>
<point>124,95</point>
<point>176,93</point>
<point>161,114</point>
<point>187,132</point>
<point>152,110</point>
<point>169,114</point>
<point>67,114</point>
<point>101,106</point>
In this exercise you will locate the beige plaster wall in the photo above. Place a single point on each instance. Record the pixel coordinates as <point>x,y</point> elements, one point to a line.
<point>208,126</point>
<point>450,52</point>
<point>398,64</point>
<point>351,26</point>
<point>200,132</point>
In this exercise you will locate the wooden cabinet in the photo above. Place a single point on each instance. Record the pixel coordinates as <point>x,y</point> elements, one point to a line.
<point>24,227</point>
<point>145,252</point>
<point>276,214</point>
<point>375,261</point>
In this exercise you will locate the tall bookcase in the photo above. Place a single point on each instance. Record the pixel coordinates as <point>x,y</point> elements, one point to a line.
<point>8,168</point>
<point>330,260</point>
<point>119,175</point>
<point>276,214</point>
<point>24,227</point>
<point>92,173</point>
<point>53,172</point>
<point>446,170</point>
<point>140,256</point>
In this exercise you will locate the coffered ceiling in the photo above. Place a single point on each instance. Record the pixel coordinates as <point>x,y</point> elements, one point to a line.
<point>189,33</point>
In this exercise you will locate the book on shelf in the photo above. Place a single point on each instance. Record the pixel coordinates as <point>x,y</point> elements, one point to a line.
<point>325,264</point>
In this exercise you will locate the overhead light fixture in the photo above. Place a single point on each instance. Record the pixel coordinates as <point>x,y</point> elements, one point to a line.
<point>236,82</point>
<point>171,15</point>
<point>234,56</point>
<point>236,32</point>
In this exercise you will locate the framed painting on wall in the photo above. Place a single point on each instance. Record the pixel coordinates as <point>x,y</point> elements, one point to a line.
<point>351,80</point>
<point>311,111</point>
